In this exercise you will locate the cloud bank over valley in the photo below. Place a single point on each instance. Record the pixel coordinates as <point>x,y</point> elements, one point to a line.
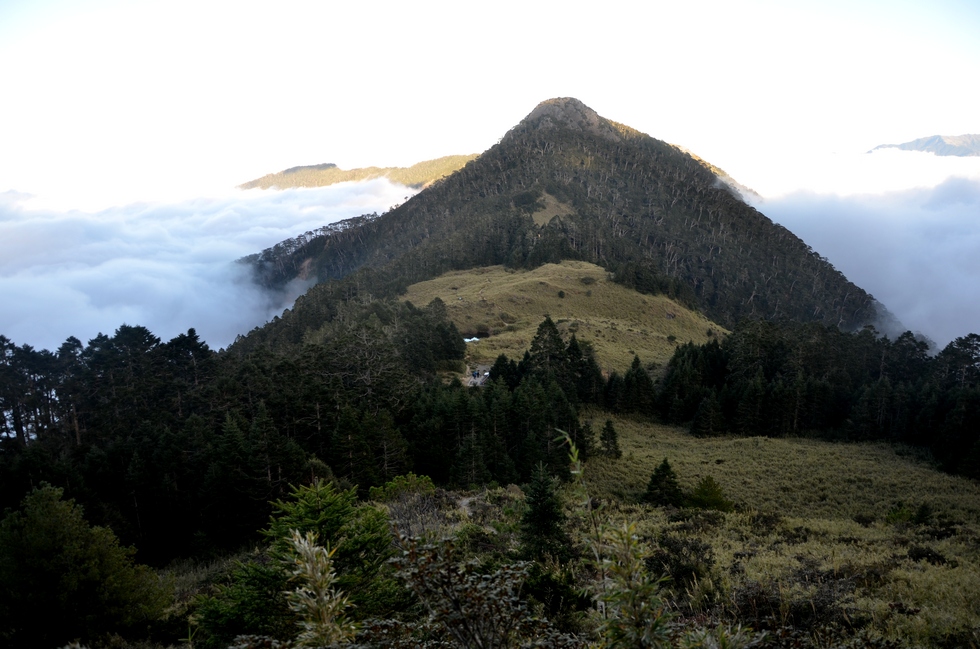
<point>916,250</point>
<point>904,226</point>
<point>165,266</point>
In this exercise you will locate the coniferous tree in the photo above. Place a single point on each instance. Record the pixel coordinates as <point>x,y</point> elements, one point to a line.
<point>970,465</point>
<point>639,394</point>
<point>505,372</point>
<point>234,495</point>
<point>663,488</point>
<point>612,395</point>
<point>609,441</point>
<point>586,371</point>
<point>708,420</point>
<point>469,467</point>
<point>748,418</point>
<point>542,530</point>
<point>549,360</point>
<point>353,456</point>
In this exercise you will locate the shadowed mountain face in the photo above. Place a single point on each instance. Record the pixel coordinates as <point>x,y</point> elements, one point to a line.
<point>566,183</point>
<point>956,145</point>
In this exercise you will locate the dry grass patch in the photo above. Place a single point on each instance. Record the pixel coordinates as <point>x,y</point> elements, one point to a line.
<point>552,208</point>
<point>504,307</point>
<point>795,477</point>
<point>794,552</point>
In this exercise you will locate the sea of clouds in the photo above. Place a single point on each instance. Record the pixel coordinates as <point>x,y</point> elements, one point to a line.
<point>916,250</point>
<point>904,226</point>
<point>168,266</point>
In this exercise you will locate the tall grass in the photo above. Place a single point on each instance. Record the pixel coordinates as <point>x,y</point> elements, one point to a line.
<point>864,537</point>
<point>795,477</point>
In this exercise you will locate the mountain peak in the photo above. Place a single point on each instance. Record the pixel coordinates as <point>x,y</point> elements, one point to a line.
<point>568,112</point>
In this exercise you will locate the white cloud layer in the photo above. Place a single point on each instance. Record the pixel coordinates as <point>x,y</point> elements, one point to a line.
<point>843,173</point>
<point>166,266</point>
<point>916,250</point>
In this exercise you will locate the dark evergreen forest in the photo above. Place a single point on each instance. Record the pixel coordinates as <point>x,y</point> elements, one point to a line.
<point>180,449</point>
<point>183,452</point>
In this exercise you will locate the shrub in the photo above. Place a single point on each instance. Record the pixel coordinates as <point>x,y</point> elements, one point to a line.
<point>319,605</point>
<point>64,579</point>
<point>919,553</point>
<point>403,485</point>
<point>708,495</point>
<point>253,600</point>
<point>636,614</point>
<point>684,559</point>
<point>475,609</point>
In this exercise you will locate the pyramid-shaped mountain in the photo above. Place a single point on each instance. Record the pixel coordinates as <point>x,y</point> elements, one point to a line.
<point>566,183</point>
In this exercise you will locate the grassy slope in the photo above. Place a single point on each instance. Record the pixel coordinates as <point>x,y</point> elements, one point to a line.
<point>418,175</point>
<point>795,477</point>
<point>813,552</point>
<point>510,304</point>
<point>793,540</point>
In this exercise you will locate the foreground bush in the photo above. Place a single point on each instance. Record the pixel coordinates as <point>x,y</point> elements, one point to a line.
<point>63,579</point>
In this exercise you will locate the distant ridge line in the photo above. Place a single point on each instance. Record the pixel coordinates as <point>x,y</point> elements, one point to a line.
<point>943,145</point>
<point>419,175</point>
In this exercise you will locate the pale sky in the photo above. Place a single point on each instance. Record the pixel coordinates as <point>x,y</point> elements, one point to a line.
<point>110,102</point>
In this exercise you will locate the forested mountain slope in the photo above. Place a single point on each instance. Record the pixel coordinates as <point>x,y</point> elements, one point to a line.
<point>566,183</point>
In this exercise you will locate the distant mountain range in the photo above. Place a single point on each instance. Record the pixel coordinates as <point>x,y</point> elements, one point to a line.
<point>957,145</point>
<point>418,175</point>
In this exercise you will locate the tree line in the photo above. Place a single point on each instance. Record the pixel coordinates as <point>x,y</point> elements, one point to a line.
<point>782,379</point>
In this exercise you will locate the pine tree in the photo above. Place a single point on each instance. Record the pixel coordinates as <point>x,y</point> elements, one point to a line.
<point>970,465</point>
<point>708,420</point>
<point>609,440</point>
<point>639,394</point>
<point>748,418</point>
<point>586,371</point>
<point>547,351</point>
<point>505,372</point>
<point>316,600</point>
<point>664,489</point>
<point>542,530</point>
<point>613,396</point>
<point>468,467</point>
<point>353,456</point>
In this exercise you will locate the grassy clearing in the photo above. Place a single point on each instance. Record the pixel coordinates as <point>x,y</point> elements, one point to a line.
<point>795,477</point>
<point>505,306</point>
<point>793,553</point>
<point>552,207</point>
